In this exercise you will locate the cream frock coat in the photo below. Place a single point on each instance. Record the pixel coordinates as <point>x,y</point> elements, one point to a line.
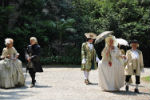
<point>129,66</point>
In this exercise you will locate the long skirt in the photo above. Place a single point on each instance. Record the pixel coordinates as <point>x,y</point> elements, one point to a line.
<point>11,74</point>
<point>111,78</point>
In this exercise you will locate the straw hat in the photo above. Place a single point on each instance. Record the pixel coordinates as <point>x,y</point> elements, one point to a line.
<point>90,35</point>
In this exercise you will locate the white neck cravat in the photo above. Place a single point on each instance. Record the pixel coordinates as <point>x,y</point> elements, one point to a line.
<point>135,54</point>
<point>90,45</point>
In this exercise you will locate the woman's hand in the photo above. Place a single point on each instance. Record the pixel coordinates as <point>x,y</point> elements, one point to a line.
<point>29,59</point>
<point>8,56</point>
<point>123,57</point>
<point>16,57</point>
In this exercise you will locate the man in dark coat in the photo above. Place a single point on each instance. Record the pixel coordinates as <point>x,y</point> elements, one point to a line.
<point>33,58</point>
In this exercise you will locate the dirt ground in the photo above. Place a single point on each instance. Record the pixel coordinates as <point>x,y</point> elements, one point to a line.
<point>67,84</point>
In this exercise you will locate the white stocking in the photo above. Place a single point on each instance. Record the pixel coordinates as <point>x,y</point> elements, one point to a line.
<point>136,86</point>
<point>86,75</point>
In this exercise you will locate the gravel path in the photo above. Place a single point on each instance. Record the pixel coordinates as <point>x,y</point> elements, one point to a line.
<point>67,84</point>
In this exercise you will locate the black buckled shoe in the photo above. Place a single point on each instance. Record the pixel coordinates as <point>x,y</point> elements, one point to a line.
<point>136,90</point>
<point>32,85</point>
<point>86,82</point>
<point>127,88</point>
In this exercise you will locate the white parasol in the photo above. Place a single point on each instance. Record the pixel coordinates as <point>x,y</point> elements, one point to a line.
<point>121,41</point>
<point>102,36</point>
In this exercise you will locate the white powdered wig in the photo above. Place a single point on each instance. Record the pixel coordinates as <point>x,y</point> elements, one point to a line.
<point>34,39</point>
<point>8,41</point>
<point>109,38</point>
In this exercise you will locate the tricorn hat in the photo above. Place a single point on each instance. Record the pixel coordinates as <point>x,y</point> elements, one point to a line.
<point>134,41</point>
<point>90,35</point>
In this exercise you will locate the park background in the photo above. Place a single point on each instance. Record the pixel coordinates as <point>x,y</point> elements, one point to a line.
<point>60,25</point>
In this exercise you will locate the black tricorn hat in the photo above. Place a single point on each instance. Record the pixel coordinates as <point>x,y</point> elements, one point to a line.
<point>134,41</point>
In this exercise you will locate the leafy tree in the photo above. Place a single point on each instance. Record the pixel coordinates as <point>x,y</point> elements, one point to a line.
<point>60,25</point>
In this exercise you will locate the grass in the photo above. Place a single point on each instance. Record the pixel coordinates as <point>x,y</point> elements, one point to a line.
<point>146,79</point>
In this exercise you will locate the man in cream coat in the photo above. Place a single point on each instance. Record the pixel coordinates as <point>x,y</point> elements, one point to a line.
<point>88,56</point>
<point>134,65</point>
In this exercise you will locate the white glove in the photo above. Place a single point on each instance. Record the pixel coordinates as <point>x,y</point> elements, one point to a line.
<point>126,67</point>
<point>142,70</point>
<point>97,60</point>
<point>83,61</point>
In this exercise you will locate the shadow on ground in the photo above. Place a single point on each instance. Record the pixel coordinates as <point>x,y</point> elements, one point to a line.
<point>19,92</point>
<point>129,93</point>
<point>15,93</point>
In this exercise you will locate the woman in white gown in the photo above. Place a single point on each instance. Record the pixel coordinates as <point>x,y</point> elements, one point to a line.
<point>111,70</point>
<point>11,74</point>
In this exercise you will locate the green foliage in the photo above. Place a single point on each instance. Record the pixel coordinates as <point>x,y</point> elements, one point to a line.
<point>146,79</point>
<point>128,19</point>
<point>4,13</point>
<point>56,22</point>
<point>61,60</point>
